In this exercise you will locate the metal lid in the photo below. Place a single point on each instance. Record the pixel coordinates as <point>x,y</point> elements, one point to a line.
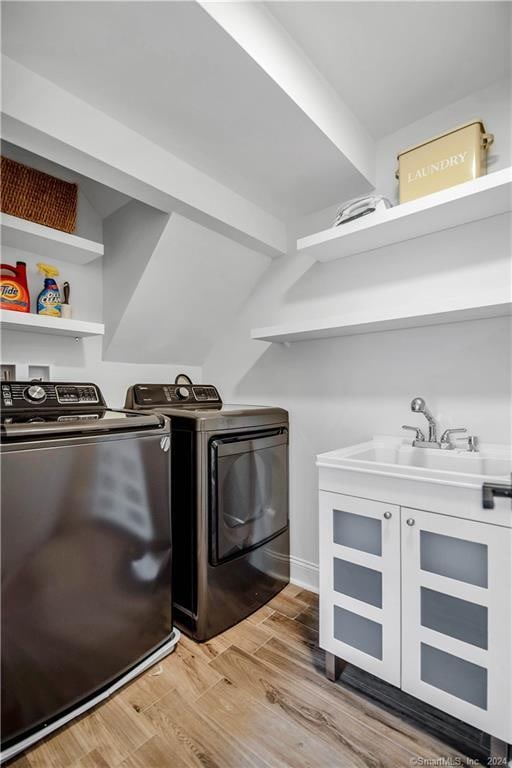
<point>226,418</point>
<point>52,425</point>
<point>442,135</point>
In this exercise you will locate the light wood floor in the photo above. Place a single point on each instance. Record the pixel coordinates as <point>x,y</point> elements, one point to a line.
<point>252,697</point>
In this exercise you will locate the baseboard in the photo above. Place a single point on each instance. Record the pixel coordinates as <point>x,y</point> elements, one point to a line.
<point>303,573</point>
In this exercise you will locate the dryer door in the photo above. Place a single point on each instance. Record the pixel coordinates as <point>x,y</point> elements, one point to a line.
<point>249,491</point>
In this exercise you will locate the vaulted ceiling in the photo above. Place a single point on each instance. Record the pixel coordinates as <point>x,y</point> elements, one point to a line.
<point>171,72</point>
<point>247,116</point>
<point>395,62</point>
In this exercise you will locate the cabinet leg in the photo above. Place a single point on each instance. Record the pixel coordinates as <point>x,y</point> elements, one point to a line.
<point>333,666</point>
<point>500,751</point>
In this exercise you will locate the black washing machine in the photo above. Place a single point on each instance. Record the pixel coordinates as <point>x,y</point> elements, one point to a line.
<point>229,503</point>
<point>86,553</point>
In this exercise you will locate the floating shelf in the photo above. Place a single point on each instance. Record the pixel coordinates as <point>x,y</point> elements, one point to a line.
<point>477,199</point>
<point>339,326</point>
<point>47,242</point>
<point>25,321</point>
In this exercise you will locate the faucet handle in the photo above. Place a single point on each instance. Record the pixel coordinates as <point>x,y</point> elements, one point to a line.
<point>419,433</point>
<point>472,443</point>
<point>445,437</point>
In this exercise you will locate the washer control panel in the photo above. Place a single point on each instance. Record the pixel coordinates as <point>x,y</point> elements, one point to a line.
<point>151,395</point>
<point>29,395</point>
<point>77,393</point>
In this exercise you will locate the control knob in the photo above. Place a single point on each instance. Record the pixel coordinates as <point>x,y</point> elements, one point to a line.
<point>35,393</point>
<point>182,393</point>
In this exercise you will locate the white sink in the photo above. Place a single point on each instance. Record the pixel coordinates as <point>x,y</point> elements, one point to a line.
<point>396,456</point>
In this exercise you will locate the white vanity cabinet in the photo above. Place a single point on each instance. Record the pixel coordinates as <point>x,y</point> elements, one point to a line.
<point>422,600</point>
<point>360,583</point>
<point>457,617</point>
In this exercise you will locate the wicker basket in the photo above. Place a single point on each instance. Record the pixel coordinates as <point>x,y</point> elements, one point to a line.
<point>36,196</point>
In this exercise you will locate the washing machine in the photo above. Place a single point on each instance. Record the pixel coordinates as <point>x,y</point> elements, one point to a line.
<point>229,492</point>
<point>86,553</point>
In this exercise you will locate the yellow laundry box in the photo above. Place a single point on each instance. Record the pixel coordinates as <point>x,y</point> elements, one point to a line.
<point>441,162</point>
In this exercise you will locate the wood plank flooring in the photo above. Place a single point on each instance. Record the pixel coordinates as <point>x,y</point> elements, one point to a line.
<point>256,697</point>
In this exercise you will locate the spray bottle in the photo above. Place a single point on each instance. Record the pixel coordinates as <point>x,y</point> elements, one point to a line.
<point>49,300</point>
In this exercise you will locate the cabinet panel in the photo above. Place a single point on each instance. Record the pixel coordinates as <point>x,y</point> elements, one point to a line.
<point>453,557</point>
<point>360,583</point>
<point>358,631</point>
<point>357,531</point>
<point>454,617</point>
<point>457,618</point>
<point>463,679</point>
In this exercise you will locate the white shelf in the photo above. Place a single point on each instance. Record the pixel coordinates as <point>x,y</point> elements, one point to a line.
<point>343,326</point>
<point>25,321</point>
<point>478,199</point>
<point>47,242</point>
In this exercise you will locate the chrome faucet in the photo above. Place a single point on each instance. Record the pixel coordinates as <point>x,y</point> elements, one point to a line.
<point>418,405</point>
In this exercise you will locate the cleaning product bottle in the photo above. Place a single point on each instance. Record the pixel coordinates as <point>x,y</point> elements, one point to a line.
<point>13,287</point>
<point>49,301</point>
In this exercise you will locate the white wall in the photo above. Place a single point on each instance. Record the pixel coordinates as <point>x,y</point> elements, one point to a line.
<point>171,285</point>
<point>491,105</point>
<point>131,235</point>
<point>343,390</point>
<point>83,360</point>
<point>165,289</point>
<point>338,391</point>
<point>72,361</point>
<point>47,120</point>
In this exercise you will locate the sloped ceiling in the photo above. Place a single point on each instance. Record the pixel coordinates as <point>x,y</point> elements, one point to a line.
<point>169,72</point>
<point>395,62</point>
<point>171,286</point>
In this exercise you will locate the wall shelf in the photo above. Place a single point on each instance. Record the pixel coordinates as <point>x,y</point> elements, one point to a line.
<point>46,242</point>
<point>477,199</point>
<point>351,326</point>
<point>25,321</point>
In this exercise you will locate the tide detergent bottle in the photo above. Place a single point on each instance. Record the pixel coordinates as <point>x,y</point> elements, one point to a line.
<point>49,300</point>
<point>14,293</point>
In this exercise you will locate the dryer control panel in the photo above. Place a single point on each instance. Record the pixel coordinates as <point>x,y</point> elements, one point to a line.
<point>154,395</point>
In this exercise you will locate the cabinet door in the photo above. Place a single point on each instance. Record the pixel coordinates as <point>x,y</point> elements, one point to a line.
<point>457,618</point>
<point>360,583</point>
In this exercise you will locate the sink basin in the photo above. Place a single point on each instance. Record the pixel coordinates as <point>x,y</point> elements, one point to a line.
<point>395,456</point>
